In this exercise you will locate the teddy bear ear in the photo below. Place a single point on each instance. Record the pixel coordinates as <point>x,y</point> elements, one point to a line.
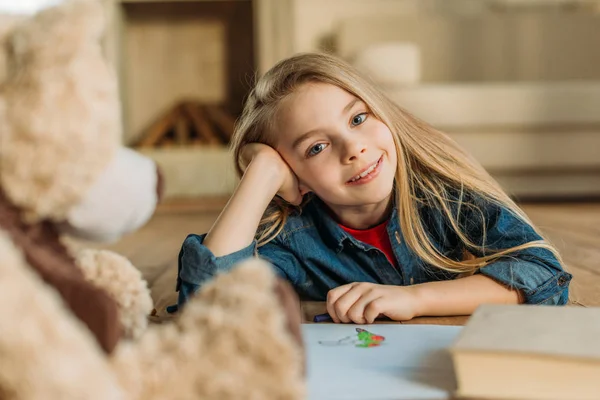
<point>68,25</point>
<point>59,107</point>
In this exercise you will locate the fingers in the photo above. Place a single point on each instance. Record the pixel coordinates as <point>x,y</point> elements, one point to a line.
<point>358,311</point>
<point>372,310</point>
<point>332,297</point>
<point>347,303</point>
<point>363,303</point>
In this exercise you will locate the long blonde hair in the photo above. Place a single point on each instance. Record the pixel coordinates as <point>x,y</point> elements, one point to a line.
<point>431,166</point>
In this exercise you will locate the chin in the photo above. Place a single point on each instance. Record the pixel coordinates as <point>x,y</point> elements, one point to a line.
<point>381,190</point>
<point>383,194</point>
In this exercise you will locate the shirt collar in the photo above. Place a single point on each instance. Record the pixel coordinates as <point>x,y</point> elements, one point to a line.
<point>332,232</point>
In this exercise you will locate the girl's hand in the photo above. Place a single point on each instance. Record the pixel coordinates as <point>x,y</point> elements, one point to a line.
<point>269,160</point>
<point>362,302</point>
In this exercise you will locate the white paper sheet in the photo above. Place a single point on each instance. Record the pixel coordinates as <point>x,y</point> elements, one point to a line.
<point>411,363</point>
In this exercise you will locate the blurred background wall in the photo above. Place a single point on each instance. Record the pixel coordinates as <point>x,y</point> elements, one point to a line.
<point>516,82</point>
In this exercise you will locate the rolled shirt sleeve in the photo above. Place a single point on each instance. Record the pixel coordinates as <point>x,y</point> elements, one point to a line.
<point>535,271</point>
<point>538,282</point>
<point>197,264</point>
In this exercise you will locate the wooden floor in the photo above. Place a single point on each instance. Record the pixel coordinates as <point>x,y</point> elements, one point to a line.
<point>573,227</point>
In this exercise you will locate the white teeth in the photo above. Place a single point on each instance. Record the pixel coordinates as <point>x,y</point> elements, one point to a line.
<point>367,172</point>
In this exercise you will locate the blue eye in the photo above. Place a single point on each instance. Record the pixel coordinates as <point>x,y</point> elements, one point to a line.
<point>316,149</point>
<point>359,119</point>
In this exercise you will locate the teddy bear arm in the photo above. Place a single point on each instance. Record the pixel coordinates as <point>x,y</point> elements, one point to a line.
<point>123,282</point>
<point>47,353</point>
<point>238,337</point>
<point>92,305</point>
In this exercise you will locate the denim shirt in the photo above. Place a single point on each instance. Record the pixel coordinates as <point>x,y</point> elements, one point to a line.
<point>316,255</point>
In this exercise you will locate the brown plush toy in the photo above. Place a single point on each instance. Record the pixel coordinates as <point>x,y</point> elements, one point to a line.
<point>74,325</point>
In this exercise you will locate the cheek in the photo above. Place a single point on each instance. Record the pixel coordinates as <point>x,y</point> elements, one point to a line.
<point>318,175</point>
<point>383,133</point>
<point>314,174</point>
<point>311,175</point>
<point>384,136</point>
<point>386,142</point>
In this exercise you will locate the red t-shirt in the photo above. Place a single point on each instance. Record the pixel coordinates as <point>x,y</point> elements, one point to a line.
<point>376,237</point>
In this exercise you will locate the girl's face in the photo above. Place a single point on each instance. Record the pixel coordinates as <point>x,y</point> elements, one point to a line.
<point>336,147</point>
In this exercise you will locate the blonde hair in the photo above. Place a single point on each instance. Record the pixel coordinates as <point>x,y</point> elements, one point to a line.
<point>431,170</point>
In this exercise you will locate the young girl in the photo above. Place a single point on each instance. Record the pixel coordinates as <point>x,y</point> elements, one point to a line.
<point>357,202</point>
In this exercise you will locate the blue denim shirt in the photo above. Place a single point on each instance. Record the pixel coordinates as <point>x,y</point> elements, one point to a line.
<point>316,255</point>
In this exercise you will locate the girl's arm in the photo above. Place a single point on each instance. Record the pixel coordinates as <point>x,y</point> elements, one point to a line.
<point>266,175</point>
<point>535,272</point>
<point>363,302</point>
<point>532,276</point>
<point>236,226</point>
<point>461,296</point>
<point>231,238</point>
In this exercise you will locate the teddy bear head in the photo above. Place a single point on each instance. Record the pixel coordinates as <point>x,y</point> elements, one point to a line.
<point>60,139</point>
<point>62,166</point>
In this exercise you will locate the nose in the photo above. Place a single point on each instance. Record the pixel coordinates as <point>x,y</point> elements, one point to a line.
<point>353,148</point>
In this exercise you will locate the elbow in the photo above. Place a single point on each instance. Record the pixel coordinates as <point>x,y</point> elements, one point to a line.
<point>536,283</point>
<point>559,299</point>
<point>555,291</point>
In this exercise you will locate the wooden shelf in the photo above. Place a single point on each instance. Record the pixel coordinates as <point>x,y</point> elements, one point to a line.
<point>173,50</point>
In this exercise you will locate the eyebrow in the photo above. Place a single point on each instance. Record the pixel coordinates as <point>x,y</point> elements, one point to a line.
<point>308,134</point>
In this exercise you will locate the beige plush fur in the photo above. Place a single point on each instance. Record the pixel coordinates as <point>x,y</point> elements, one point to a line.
<point>48,95</point>
<point>45,353</point>
<point>59,126</point>
<point>230,342</point>
<point>7,22</point>
<point>123,282</point>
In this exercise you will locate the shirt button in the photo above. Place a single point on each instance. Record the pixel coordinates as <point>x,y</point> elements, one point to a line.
<point>562,280</point>
<point>397,235</point>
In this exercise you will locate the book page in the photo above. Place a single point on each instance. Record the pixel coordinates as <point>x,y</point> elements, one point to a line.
<point>381,361</point>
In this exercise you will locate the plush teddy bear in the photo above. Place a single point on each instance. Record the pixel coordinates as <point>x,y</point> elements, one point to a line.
<point>74,326</point>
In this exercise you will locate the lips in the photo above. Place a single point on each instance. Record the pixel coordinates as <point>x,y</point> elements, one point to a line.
<point>367,171</point>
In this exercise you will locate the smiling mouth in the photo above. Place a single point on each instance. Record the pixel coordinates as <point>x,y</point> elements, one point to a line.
<point>367,172</point>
